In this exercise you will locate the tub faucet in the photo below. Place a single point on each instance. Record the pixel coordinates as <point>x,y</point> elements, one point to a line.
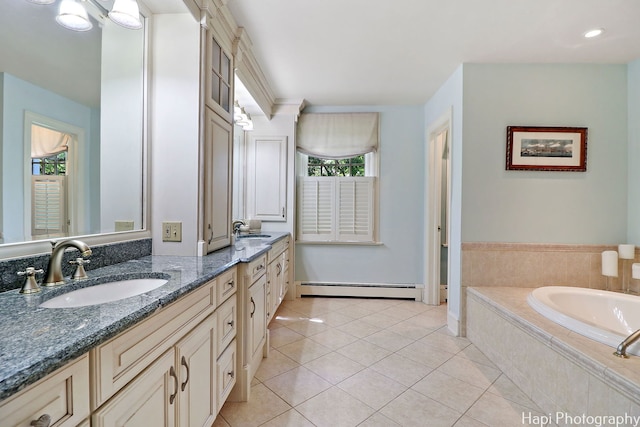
<point>621,351</point>
<point>54,271</point>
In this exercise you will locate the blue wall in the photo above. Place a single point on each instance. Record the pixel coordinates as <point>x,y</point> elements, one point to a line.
<point>398,259</point>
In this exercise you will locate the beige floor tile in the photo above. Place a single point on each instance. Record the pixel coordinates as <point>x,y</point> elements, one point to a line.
<point>274,365</point>
<point>372,388</point>
<point>380,320</point>
<point>355,311</point>
<point>335,407</point>
<point>333,318</point>
<point>263,406</point>
<point>411,330</point>
<point>427,355</point>
<point>304,350</point>
<point>291,418</point>
<point>472,353</point>
<point>496,411</point>
<point>364,352</point>
<point>470,372</point>
<point>358,328</point>
<point>465,421</point>
<point>334,367</point>
<point>308,327</point>
<point>334,339</point>
<point>401,369</point>
<point>456,394</point>
<point>283,336</point>
<point>378,420</point>
<point>506,389</point>
<point>414,409</point>
<point>388,340</point>
<point>446,342</point>
<point>220,422</point>
<point>297,385</point>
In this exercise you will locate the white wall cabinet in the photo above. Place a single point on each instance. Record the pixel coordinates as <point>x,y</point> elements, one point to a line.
<point>267,178</point>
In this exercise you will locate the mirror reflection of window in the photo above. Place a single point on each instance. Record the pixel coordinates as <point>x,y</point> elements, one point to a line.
<point>50,152</point>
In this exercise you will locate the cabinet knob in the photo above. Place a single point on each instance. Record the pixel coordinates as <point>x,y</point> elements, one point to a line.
<point>43,421</point>
<point>231,374</point>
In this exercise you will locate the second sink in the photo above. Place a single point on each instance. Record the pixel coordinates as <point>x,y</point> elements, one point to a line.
<point>106,292</point>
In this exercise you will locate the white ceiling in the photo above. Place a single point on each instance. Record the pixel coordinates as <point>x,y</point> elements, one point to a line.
<point>373,52</point>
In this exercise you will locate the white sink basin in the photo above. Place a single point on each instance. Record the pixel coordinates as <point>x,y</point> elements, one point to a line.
<point>106,292</point>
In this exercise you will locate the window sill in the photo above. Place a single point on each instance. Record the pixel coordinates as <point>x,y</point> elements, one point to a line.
<point>338,243</point>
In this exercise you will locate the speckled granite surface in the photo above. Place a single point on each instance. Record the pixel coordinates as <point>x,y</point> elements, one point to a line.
<point>36,341</point>
<point>102,256</point>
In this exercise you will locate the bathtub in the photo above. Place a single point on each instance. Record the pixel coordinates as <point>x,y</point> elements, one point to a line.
<point>606,317</point>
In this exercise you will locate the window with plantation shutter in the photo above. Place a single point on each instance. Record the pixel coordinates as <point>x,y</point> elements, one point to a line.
<point>48,202</point>
<point>335,209</point>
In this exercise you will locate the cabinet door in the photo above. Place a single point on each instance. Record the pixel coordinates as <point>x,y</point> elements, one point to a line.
<point>62,396</point>
<point>217,186</point>
<point>267,178</point>
<point>196,362</point>
<point>257,317</point>
<point>149,400</point>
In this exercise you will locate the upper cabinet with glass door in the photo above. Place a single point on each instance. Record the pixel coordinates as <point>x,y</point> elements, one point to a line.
<point>219,79</point>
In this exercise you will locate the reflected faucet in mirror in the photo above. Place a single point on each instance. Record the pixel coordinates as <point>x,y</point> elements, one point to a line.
<point>54,270</point>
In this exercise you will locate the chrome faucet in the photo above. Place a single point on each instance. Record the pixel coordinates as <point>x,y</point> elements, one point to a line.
<point>236,227</point>
<point>621,351</point>
<point>54,271</point>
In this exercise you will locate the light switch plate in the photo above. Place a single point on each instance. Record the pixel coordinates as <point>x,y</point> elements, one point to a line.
<point>172,231</point>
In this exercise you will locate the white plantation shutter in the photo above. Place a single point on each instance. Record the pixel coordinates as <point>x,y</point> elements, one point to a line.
<point>48,201</point>
<point>316,216</point>
<point>355,209</point>
<point>335,209</point>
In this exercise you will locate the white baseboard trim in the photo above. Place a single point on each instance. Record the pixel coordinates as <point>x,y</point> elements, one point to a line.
<point>453,324</point>
<point>362,290</point>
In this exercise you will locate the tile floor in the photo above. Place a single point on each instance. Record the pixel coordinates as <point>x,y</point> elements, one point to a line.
<point>344,362</point>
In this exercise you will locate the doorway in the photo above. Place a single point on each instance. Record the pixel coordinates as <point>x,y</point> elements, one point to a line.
<point>438,210</point>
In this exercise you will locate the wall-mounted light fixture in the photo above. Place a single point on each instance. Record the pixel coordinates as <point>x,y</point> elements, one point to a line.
<point>73,15</point>
<point>241,117</point>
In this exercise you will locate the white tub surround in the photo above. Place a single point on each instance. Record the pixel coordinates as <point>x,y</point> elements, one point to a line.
<point>560,370</point>
<point>607,317</point>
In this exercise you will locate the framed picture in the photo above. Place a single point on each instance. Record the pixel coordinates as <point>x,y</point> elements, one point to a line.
<point>547,148</point>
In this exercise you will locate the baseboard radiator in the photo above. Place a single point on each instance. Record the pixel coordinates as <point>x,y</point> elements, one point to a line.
<point>360,290</point>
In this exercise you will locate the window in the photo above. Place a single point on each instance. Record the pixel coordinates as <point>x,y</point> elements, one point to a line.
<point>338,183</point>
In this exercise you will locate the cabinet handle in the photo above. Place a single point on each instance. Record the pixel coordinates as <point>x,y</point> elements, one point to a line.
<point>43,421</point>
<point>283,212</point>
<point>172,372</point>
<point>230,284</point>
<point>230,323</point>
<point>183,362</point>
<point>231,374</point>
<point>279,268</point>
<point>210,235</point>
<point>254,307</point>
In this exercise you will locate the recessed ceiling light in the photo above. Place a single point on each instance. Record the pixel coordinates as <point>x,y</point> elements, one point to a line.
<point>593,33</point>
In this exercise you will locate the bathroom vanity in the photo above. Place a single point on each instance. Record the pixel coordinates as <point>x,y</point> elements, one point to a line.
<point>171,356</point>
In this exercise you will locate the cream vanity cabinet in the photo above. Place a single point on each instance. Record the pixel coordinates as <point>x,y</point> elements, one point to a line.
<point>166,369</point>
<point>252,326</point>
<point>61,397</point>
<point>277,275</point>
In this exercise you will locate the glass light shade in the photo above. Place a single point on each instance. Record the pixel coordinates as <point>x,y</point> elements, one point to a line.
<point>73,15</point>
<point>42,1</point>
<point>126,13</point>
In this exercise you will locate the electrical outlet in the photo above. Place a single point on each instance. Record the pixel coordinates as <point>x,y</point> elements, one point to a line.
<point>172,232</point>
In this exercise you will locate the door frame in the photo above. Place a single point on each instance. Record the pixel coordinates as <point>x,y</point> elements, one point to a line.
<point>433,187</point>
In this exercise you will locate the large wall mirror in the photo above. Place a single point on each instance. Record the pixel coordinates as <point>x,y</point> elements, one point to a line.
<point>72,125</point>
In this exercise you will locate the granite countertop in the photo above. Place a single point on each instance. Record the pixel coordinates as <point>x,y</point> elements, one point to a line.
<point>36,341</point>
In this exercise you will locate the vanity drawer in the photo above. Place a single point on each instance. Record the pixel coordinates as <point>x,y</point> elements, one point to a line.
<point>256,268</point>
<point>117,361</point>
<point>277,248</point>
<point>227,284</point>
<point>226,373</point>
<point>63,396</point>
<point>227,323</point>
